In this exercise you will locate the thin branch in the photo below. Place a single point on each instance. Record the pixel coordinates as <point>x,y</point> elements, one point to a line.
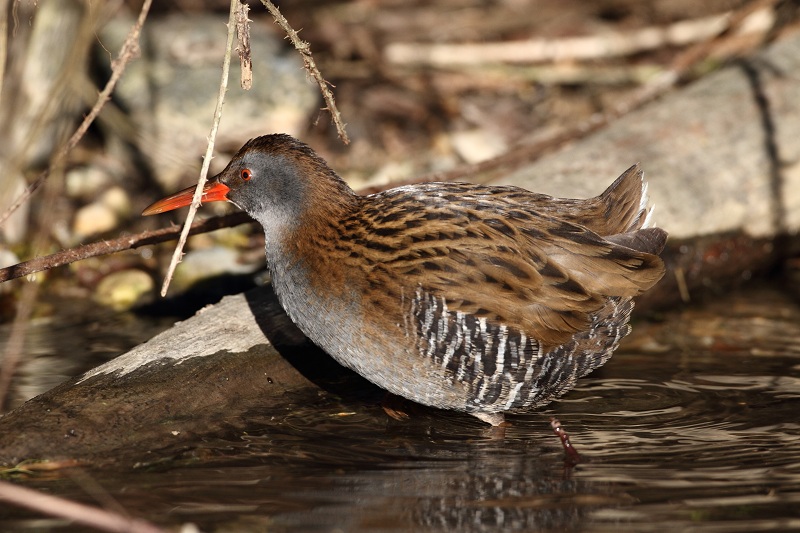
<point>16,339</point>
<point>76,512</point>
<point>243,45</point>
<point>212,136</point>
<point>311,67</point>
<point>120,244</point>
<point>584,48</point>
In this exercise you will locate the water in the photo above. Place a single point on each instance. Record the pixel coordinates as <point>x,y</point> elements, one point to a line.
<point>694,427</point>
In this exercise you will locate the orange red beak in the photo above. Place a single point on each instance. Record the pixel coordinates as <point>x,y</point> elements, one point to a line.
<point>213,191</point>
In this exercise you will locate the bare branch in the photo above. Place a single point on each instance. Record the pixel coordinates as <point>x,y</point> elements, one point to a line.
<point>120,244</point>
<point>589,47</point>
<point>311,67</point>
<point>243,46</point>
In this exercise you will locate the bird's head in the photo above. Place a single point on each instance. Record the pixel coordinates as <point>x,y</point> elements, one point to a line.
<point>275,178</point>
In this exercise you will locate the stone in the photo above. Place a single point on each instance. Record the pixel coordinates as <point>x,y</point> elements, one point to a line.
<point>122,290</point>
<point>171,92</point>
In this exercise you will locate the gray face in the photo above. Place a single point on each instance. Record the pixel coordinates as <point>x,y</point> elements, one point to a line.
<point>267,186</point>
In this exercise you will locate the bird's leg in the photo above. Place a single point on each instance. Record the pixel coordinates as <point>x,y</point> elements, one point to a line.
<point>572,457</point>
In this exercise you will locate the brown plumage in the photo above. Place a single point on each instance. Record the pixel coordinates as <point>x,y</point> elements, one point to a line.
<point>483,299</point>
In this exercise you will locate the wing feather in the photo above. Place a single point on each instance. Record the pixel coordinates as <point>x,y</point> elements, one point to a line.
<point>504,260</point>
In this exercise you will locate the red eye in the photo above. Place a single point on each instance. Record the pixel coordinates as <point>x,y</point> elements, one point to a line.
<point>246,174</point>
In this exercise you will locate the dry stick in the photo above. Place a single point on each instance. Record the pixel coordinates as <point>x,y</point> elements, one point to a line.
<point>120,244</point>
<point>212,136</point>
<point>16,339</point>
<point>4,41</point>
<point>609,44</point>
<point>243,45</point>
<point>74,511</point>
<point>311,67</point>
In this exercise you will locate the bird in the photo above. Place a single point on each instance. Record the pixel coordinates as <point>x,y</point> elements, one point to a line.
<point>477,298</point>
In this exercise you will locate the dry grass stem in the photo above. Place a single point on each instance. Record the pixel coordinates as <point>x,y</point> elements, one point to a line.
<point>78,513</point>
<point>3,40</point>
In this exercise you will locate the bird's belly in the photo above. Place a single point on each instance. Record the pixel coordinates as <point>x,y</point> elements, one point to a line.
<point>435,356</point>
<point>380,349</point>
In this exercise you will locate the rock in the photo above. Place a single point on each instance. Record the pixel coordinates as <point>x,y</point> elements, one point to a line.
<point>122,290</point>
<point>84,183</point>
<point>103,215</point>
<point>42,79</point>
<point>206,263</point>
<point>478,145</point>
<point>703,150</point>
<point>172,92</point>
<point>192,380</point>
<point>116,199</point>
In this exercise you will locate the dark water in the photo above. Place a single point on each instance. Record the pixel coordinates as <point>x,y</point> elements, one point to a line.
<point>695,427</point>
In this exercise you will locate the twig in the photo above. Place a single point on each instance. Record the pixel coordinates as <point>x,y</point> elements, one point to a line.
<point>611,44</point>
<point>243,45</point>
<point>128,242</point>
<point>311,67</point>
<point>212,136</point>
<point>4,42</point>
<point>76,512</point>
<point>16,339</point>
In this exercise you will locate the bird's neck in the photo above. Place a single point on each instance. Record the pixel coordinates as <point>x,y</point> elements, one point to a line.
<point>315,287</point>
<point>302,256</point>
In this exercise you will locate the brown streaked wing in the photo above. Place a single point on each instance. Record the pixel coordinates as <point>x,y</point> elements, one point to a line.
<point>535,273</point>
